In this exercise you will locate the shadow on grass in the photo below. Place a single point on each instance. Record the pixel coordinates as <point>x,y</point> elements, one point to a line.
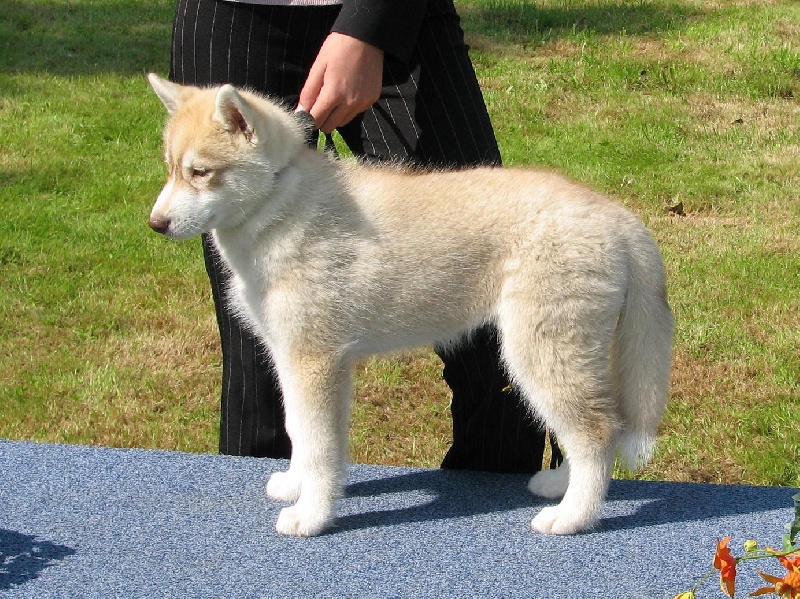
<point>522,21</point>
<point>82,37</point>
<point>23,557</point>
<point>85,37</point>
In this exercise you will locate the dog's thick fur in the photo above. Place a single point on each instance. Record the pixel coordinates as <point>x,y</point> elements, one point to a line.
<point>334,260</point>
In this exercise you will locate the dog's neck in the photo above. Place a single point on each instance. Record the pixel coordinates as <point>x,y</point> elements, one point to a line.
<point>289,190</point>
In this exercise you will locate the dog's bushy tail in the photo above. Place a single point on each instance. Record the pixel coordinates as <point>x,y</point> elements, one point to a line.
<point>643,348</point>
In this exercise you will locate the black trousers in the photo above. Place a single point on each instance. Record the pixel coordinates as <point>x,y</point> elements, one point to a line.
<point>431,113</point>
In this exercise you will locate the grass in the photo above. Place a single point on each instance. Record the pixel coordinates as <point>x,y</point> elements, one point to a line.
<point>107,332</point>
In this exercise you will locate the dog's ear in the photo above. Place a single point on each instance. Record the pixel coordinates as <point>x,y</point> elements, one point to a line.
<point>234,114</point>
<point>171,94</point>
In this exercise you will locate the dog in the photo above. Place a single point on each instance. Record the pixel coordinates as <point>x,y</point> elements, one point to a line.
<point>333,260</point>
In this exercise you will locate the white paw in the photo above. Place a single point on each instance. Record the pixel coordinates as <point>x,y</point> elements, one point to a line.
<point>551,484</point>
<point>556,520</point>
<point>299,522</point>
<point>284,486</point>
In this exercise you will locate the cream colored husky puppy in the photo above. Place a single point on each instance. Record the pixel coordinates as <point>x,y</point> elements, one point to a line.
<point>335,260</point>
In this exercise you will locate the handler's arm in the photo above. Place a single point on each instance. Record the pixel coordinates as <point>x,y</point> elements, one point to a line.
<point>391,25</point>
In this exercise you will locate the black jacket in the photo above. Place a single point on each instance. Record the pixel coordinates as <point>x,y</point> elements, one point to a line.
<point>391,25</point>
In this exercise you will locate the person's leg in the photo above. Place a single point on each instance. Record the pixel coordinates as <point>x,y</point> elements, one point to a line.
<point>251,417</point>
<point>432,113</point>
<point>257,47</point>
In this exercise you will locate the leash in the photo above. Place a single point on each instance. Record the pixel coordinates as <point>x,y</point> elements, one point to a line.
<point>311,135</point>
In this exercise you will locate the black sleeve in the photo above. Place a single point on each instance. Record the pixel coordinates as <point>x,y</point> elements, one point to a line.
<point>391,25</point>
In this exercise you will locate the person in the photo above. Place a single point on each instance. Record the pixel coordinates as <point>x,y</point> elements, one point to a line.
<point>395,80</point>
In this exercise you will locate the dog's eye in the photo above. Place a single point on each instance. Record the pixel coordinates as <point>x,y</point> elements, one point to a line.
<point>200,172</point>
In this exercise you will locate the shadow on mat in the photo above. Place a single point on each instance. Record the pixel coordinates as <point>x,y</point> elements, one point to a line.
<point>669,503</point>
<point>23,557</point>
<point>436,495</point>
<point>430,495</point>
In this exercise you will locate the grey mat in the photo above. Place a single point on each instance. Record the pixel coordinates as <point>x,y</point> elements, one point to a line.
<point>98,522</point>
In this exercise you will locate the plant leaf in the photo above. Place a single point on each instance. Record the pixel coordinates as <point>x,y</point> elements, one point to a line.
<point>793,528</point>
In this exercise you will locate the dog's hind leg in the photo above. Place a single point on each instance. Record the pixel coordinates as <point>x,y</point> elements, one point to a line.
<point>560,358</point>
<point>317,389</point>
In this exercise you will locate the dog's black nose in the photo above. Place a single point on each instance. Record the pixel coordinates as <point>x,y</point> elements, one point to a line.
<point>159,225</point>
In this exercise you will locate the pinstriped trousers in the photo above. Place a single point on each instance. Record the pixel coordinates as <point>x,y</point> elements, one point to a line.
<point>432,113</point>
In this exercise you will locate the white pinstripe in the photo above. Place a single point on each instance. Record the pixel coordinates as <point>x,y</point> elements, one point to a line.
<point>460,104</point>
<point>249,37</point>
<point>488,139</point>
<point>211,45</point>
<point>194,44</point>
<point>441,147</point>
<point>185,8</point>
<point>283,64</point>
<point>230,42</point>
<point>266,62</point>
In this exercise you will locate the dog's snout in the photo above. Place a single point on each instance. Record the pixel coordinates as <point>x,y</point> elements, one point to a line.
<point>159,225</point>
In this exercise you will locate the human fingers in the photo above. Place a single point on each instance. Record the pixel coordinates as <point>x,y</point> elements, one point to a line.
<point>312,86</point>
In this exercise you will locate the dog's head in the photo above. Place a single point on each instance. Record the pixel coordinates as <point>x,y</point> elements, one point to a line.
<point>223,148</point>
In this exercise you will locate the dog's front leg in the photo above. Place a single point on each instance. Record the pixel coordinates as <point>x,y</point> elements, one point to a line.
<point>316,391</point>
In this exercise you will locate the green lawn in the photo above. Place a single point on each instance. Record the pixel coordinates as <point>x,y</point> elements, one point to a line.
<point>107,332</point>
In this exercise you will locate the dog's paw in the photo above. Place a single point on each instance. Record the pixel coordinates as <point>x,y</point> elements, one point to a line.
<point>555,520</point>
<point>551,484</point>
<point>283,486</point>
<point>298,522</point>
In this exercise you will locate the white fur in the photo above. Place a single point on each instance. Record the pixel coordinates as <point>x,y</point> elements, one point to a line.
<point>333,261</point>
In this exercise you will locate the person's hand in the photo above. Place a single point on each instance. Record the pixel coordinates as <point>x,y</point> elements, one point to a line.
<point>344,81</point>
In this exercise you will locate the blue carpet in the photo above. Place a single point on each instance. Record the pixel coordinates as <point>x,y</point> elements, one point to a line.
<point>96,522</point>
